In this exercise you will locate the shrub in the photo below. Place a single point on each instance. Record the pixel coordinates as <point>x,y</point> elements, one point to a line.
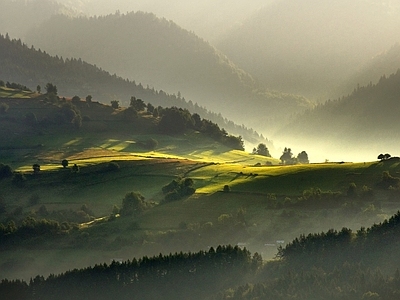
<point>19,179</point>
<point>33,200</point>
<point>5,171</point>
<point>111,166</point>
<point>151,144</point>
<point>3,108</point>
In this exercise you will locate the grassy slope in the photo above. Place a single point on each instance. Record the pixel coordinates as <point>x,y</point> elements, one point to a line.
<point>210,165</point>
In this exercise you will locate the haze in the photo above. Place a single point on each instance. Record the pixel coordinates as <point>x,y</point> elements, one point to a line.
<point>208,19</point>
<point>270,60</point>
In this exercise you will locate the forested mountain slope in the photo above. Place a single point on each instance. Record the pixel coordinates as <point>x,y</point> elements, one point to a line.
<point>366,120</point>
<point>32,67</point>
<point>309,47</point>
<point>154,51</point>
<point>385,63</point>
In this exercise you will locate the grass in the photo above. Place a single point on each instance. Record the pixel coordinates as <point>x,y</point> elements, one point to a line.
<point>12,93</point>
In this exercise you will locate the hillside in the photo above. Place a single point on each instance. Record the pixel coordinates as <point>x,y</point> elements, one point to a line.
<point>362,124</point>
<point>66,182</point>
<point>310,47</point>
<point>154,51</point>
<point>32,67</point>
<point>329,265</point>
<point>384,63</point>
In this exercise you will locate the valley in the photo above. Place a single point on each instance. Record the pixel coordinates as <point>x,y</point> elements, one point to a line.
<point>200,151</point>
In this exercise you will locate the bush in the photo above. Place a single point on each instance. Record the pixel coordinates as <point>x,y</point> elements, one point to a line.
<point>3,108</point>
<point>19,179</point>
<point>5,171</point>
<point>33,200</point>
<point>151,144</point>
<point>111,166</point>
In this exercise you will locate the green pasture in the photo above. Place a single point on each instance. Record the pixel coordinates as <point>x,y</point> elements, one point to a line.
<point>288,180</point>
<point>12,93</point>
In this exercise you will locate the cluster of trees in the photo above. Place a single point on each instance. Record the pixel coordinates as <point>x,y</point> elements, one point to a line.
<point>30,228</point>
<point>13,85</point>
<point>178,189</point>
<point>134,204</point>
<point>336,247</point>
<point>385,156</point>
<point>177,120</point>
<point>348,281</point>
<point>174,276</point>
<point>287,157</point>
<point>262,149</point>
<point>328,265</point>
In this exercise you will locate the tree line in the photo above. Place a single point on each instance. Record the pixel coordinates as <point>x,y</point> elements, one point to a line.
<point>174,276</point>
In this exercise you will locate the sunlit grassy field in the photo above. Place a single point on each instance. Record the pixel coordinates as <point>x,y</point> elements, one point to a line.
<point>12,93</point>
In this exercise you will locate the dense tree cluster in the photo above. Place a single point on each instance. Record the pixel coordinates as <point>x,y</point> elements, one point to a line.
<point>287,157</point>
<point>177,189</point>
<point>177,120</point>
<point>174,276</point>
<point>262,149</point>
<point>133,203</point>
<point>17,86</point>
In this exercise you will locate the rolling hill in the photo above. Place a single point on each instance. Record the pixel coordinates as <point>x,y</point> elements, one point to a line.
<point>310,47</point>
<point>56,217</point>
<point>157,52</point>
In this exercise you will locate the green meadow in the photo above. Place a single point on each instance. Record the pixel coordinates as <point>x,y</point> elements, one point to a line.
<point>239,198</point>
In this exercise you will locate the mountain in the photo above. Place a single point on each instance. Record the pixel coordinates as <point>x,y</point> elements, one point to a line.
<point>384,63</point>
<point>154,51</point>
<point>220,15</point>
<point>18,16</point>
<point>32,67</point>
<point>363,123</point>
<point>310,47</point>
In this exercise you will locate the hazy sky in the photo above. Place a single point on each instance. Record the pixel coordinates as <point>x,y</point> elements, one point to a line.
<point>207,18</point>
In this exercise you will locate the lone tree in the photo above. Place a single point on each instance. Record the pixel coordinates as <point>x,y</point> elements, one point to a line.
<point>76,99</point>
<point>263,150</point>
<point>64,163</point>
<point>36,168</point>
<point>302,157</point>
<point>115,104</point>
<point>89,99</point>
<point>75,168</point>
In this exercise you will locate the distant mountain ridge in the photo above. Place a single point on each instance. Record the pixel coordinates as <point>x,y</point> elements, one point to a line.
<point>363,122</point>
<point>312,47</point>
<point>18,16</point>
<point>32,67</point>
<point>158,52</point>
